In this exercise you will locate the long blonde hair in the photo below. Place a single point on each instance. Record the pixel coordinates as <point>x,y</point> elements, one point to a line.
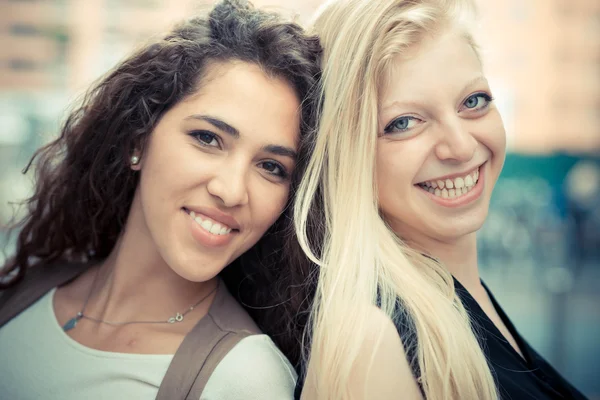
<point>362,262</point>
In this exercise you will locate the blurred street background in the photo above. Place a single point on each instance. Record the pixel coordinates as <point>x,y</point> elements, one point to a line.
<point>540,247</point>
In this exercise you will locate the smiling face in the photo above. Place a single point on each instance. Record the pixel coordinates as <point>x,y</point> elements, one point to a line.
<point>215,173</point>
<point>441,142</point>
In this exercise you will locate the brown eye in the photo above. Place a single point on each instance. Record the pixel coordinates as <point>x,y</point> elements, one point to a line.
<point>206,138</point>
<point>274,168</point>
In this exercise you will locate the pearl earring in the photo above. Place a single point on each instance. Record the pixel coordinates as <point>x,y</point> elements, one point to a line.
<point>135,160</point>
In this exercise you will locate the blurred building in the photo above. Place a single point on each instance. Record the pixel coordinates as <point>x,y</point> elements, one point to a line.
<point>544,58</point>
<point>541,56</point>
<point>66,44</point>
<point>32,35</point>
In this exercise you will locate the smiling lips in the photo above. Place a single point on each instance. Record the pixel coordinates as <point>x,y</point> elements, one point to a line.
<point>452,188</point>
<point>209,225</point>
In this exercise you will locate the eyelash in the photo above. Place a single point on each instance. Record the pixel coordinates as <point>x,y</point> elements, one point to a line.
<point>483,95</point>
<point>198,134</point>
<point>283,174</point>
<point>390,127</point>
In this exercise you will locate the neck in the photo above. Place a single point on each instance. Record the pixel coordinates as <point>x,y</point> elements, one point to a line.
<point>134,283</point>
<point>458,256</point>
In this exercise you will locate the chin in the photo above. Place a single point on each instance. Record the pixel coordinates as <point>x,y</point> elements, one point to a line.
<point>197,270</point>
<point>460,229</point>
<point>198,275</point>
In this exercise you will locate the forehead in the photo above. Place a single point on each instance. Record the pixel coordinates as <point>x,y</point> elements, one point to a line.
<point>438,64</point>
<point>247,98</point>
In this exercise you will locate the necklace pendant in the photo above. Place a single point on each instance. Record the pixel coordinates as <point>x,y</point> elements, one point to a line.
<point>72,322</point>
<point>177,318</point>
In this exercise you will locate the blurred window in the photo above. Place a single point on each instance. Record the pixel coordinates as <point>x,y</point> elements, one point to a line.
<point>21,65</point>
<point>25,30</point>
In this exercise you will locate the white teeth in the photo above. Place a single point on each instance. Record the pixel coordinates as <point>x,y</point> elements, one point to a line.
<point>468,181</point>
<point>216,228</point>
<point>451,188</point>
<point>206,224</point>
<point>209,226</point>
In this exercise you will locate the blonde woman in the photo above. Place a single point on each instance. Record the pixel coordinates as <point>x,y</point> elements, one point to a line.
<point>399,181</point>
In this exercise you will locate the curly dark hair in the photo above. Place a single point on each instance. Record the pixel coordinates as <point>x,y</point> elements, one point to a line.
<point>84,183</point>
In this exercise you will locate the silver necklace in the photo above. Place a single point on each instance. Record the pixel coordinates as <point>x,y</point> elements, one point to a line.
<point>70,324</point>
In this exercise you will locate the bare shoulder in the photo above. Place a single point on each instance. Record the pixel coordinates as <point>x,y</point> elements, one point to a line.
<point>381,370</point>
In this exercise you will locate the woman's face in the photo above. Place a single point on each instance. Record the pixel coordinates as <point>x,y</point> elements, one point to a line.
<point>441,143</point>
<point>215,173</point>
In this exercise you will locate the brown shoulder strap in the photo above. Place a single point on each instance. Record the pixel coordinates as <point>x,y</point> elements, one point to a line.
<point>219,352</point>
<point>189,360</point>
<point>195,361</point>
<point>225,325</point>
<point>37,282</point>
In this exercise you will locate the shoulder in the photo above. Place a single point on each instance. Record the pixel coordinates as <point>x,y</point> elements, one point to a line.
<point>254,369</point>
<point>381,369</point>
<point>228,314</point>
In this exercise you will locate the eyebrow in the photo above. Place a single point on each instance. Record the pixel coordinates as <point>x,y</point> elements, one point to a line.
<point>217,123</point>
<point>281,151</point>
<point>225,127</point>
<point>475,81</point>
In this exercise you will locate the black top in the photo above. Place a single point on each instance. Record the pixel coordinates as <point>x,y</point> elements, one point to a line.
<point>531,378</point>
<point>517,378</point>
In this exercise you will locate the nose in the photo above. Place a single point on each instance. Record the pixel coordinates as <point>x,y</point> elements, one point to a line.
<point>456,142</point>
<point>229,185</point>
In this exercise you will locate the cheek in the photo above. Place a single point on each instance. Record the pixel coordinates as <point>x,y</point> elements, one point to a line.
<point>269,207</point>
<point>169,173</point>
<point>495,135</point>
<point>494,139</point>
<point>394,175</point>
<point>161,181</point>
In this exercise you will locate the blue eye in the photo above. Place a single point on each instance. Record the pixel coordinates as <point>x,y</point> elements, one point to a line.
<point>206,138</point>
<point>274,168</point>
<point>477,101</point>
<point>401,124</point>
